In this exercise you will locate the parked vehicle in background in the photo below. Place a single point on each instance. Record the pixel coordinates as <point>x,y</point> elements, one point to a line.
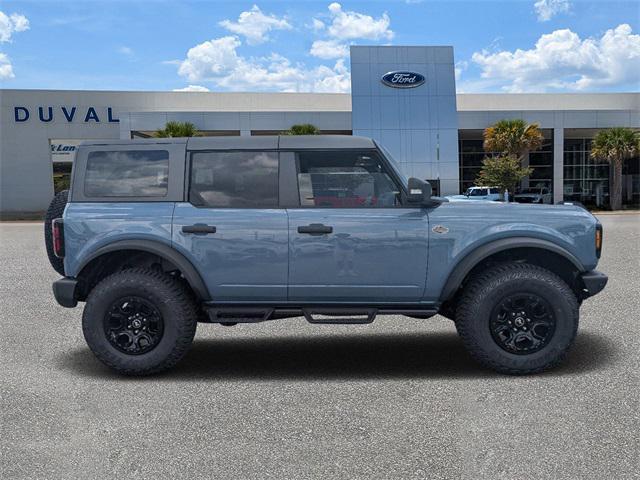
<point>478,193</point>
<point>533,195</point>
<point>159,235</point>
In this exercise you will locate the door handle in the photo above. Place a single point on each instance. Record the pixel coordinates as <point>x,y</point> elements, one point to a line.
<point>315,229</point>
<point>199,229</point>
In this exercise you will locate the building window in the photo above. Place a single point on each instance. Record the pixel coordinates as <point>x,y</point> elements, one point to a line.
<point>542,163</point>
<point>585,180</point>
<point>472,153</point>
<point>471,156</point>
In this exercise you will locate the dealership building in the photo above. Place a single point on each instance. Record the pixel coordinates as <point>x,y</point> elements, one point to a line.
<point>433,132</point>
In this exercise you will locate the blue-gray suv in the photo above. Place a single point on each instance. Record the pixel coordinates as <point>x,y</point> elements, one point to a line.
<point>158,235</point>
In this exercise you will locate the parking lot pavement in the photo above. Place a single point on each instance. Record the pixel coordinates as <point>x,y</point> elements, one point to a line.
<point>396,399</point>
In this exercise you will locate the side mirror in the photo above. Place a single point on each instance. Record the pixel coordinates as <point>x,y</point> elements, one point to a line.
<point>419,192</point>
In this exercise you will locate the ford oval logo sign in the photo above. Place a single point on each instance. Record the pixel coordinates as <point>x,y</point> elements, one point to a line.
<point>403,79</point>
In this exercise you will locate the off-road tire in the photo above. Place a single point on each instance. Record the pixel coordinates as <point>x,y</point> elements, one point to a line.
<point>55,210</point>
<point>486,290</point>
<point>169,295</point>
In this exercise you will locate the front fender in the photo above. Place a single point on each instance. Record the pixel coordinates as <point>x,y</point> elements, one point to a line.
<point>475,256</point>
<point>475,231</point>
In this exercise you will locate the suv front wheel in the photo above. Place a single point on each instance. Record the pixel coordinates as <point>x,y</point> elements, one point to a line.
<point>517,318</point>
<point>139,321</point>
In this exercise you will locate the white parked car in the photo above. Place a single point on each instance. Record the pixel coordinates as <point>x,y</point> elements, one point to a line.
<point>477,193</point>
<point>533,195</point>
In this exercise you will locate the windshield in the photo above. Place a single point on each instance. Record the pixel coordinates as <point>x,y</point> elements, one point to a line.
<point>530,190</point>
<point>394,164</point>
<point>476,192</point>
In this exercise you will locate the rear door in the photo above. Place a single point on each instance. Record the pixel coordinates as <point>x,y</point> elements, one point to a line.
<point>350,239</point>
<point>231,226</point>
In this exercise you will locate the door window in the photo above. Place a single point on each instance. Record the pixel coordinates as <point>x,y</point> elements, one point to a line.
<point>234,179</point>
<point>345,179</point>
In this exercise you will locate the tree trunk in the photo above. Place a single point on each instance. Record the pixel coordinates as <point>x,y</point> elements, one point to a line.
<point>616,191</point>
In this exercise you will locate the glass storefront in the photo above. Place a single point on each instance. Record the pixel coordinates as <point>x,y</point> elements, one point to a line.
<point>585,180</point>
<point>472,154</point>
<point>542,163</point>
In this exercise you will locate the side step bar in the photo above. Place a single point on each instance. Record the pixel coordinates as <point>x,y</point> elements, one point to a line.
<point>345,315</point>
<point>230,315</point>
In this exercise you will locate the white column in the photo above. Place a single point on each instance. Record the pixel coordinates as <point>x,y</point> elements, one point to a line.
<point>558,165</point>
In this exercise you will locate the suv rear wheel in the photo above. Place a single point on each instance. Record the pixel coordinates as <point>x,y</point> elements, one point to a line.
<point>139,321</point>
<point>517,318</point>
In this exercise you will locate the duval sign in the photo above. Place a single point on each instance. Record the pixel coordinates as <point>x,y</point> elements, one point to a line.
<point>47,114</point>
<point>401,79</point>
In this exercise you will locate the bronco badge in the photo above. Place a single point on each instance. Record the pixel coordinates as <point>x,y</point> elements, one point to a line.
<point>439,229</point>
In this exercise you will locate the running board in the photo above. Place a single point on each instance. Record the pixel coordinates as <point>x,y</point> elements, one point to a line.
<point>239,314</point>
<point>341,315</point>
<point>316,314</point>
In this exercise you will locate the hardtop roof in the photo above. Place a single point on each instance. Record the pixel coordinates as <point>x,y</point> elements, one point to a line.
<point>267,142</point>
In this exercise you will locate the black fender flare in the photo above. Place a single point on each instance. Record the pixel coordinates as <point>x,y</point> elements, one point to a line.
<point>191,275</point>
<point>464,266</point>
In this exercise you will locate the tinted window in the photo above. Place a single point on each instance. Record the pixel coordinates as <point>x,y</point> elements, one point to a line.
<point>494,191</point>
<point>344,179</point>
<point>128,173</point>
<point>234,179</point>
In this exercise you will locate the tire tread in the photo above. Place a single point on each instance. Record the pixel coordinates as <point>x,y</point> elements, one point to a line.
<point>492,278</point>
<point>175,291</point>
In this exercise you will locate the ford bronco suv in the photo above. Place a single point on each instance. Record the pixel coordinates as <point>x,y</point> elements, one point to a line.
<point>158,235</point>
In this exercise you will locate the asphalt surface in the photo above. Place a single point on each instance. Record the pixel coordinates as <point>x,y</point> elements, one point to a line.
<point>396,399</point>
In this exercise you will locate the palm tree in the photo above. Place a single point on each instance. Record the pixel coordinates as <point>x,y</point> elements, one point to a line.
<point>514,138</point>
<point>302,129</point>
<point>508,141</point>
<point>177,129</point>
<point>615,146</point>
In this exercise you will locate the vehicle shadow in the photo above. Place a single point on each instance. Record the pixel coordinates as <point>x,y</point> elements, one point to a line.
<point>341,357</point>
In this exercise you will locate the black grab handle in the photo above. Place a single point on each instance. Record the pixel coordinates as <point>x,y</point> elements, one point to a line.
<point>198,228</point>
<point>315,229</point>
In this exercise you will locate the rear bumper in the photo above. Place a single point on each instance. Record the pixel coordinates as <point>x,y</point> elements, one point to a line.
<point>594,282</point>
<point>65,292</point>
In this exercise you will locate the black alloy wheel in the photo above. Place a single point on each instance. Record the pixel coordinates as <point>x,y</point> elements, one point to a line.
<point>522,323</point>
<point>133,325</point>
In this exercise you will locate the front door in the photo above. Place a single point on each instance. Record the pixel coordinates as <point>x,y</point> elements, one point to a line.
<point>351,240</point>
<point>231,227</point>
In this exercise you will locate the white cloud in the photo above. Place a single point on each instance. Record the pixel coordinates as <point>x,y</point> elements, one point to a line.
<point>217,61</point>
<point>349,25</point>
<point>213,58</point>
<point>192,88</point>
<point>9,24</point>
<point>6,70</point>
<point>255,25</point>
<point>124,50</point>
<point>344,26</point>
<point>317,25</point>
<point>561,60</point>
<point>547,9</point>
<point>328,49</point>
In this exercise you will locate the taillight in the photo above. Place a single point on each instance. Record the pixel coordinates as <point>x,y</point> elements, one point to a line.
<point>57,230</point>
<point>598,240</point>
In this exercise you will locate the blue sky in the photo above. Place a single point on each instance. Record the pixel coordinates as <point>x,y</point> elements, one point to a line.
<point>500,46</point>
